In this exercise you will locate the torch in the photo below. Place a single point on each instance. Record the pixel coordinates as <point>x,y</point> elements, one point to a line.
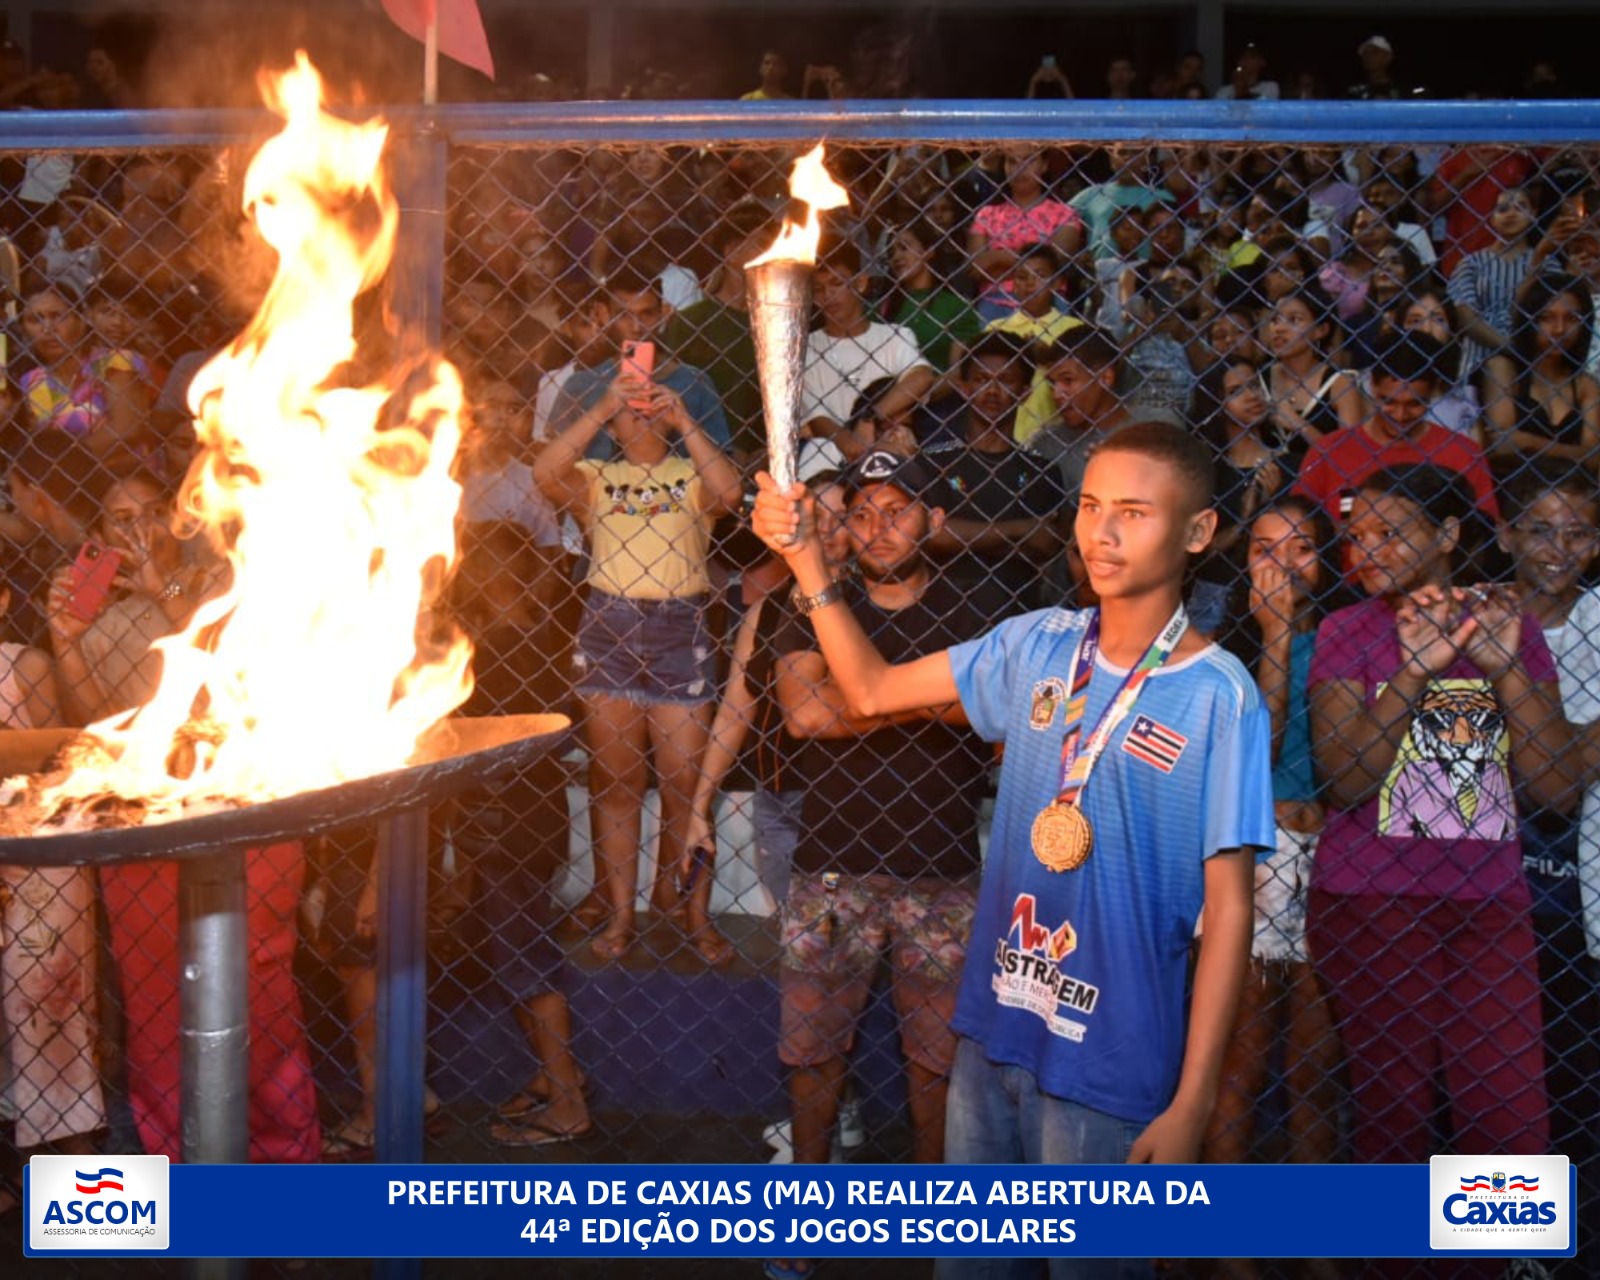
<point>778,285</point>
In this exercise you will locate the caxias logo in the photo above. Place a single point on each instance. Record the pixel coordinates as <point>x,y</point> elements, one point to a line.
<point>1475,1205</point>
<point>78,1203</point>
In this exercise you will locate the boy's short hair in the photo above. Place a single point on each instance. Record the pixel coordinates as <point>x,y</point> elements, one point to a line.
<point>1181,450</point>
<point>627,280</point>
<point>1089,346</point>
<point>1044,252</point>
<point>1414,357</point>
<point>1535,477</point>
<point>1016,352</point>
<point>840,254</point>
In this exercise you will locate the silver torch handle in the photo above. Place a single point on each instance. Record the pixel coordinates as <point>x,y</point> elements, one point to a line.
<point>779,295</point>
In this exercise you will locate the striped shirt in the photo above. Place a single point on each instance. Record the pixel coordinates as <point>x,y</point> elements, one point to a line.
<point>1487,282</point>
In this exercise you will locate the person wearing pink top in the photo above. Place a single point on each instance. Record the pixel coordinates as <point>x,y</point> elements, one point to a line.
<point>1435,713</point>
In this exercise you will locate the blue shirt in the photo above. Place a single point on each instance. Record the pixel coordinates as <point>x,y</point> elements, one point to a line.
<point>584,388</point>
<point>1079,976</point>
<point>1294,776</point>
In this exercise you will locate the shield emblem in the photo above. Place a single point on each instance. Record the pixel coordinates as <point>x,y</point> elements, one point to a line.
<point>1497,1181</point>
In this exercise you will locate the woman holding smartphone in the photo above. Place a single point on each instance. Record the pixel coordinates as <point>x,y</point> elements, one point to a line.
<point>646,658</point>
<point>107,663</point>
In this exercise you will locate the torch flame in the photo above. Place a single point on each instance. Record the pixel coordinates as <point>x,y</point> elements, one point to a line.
<point>334,508</point>
<point>811,183</point>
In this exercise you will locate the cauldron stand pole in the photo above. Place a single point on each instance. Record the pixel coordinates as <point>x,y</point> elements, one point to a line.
<point>213,943</point>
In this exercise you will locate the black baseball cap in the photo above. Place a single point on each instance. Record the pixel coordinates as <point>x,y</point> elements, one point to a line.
<point>912,476</point>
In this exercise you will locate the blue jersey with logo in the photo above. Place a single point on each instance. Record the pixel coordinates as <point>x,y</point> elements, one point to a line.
<point>1078,976</point>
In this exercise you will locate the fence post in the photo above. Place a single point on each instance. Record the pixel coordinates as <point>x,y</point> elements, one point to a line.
<point>214,1002</point>
<point>416,283</point>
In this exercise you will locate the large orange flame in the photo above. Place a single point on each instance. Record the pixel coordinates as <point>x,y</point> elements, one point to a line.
<point>338,521</point>
<point>811,183</point>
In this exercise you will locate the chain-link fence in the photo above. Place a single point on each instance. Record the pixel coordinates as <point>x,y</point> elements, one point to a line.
<point>731,925</point>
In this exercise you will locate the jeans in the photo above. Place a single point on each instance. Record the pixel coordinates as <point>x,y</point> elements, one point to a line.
<point>997,1115</point>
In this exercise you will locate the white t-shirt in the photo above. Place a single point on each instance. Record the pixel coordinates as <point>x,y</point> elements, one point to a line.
<point>1261,91</point>
<point>838,370</point>
<point>1577,653</point>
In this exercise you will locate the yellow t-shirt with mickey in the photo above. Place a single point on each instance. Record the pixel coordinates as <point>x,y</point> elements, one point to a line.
<point>649,537</point>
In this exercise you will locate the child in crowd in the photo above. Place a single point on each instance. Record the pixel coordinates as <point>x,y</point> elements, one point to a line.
<point>512,829</point>
<point>1433,707</point>
<point>1289,564</point>
<point>1551,531</point>
<point>1484,284</point>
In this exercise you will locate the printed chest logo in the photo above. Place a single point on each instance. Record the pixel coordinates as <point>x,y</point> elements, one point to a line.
<point>1155,744</point>
<point>1028,974</point>
<point>1049,695</point>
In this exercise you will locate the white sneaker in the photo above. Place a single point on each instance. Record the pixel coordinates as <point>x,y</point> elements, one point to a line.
<point>777,1136</point>
<point>852,1133</point>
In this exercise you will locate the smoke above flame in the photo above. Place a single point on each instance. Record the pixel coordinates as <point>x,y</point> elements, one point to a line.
<point>332,503</point>
<point>811,183</point>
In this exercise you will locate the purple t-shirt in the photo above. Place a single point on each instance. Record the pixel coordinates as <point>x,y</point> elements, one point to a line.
<point>1444,823</point>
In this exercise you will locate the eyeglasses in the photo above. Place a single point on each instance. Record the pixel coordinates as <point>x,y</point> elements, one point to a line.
<point>1569,537</point>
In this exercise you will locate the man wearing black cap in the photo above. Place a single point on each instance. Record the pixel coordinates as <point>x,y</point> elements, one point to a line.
<point>888,856</point>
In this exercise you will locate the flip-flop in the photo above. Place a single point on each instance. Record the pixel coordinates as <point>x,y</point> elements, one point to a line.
<point>534,1132</point>
<point>350,1141</point>
<point>610,948</point>
<point>713,948</point>
<point>528,1099</point>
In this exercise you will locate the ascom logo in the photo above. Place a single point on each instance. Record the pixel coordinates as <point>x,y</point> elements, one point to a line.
<point>1528,1209</point>
<point>73,1208</point>
<point>92,1184</point>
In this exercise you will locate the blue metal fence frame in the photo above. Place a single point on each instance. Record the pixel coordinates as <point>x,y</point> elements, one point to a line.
<point>422,137</point>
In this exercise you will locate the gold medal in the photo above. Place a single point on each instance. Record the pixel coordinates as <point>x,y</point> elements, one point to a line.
<point>1062,837</point>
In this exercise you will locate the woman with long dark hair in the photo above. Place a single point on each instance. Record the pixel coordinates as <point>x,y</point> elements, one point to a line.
<point>1540,400</point>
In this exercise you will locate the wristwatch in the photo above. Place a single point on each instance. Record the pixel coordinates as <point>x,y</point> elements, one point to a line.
<point>807,605</point>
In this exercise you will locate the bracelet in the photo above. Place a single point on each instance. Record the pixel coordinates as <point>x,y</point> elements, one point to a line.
<point>807,605</point>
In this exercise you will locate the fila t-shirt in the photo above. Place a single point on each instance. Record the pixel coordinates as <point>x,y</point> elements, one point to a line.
<point>1078,976</point>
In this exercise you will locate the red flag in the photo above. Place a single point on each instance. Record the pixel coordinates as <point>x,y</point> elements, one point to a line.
<point>461,34</point>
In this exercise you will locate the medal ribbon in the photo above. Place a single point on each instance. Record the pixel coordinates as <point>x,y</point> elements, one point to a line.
<point>1075,764</point>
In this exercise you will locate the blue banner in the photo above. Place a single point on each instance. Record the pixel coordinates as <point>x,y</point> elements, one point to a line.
<point>706,1211</point>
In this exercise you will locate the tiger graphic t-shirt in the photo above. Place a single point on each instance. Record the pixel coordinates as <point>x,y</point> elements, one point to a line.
<point>1444,822</point>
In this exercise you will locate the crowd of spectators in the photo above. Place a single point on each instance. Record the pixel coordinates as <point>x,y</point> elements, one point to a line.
<point>1391,352</point>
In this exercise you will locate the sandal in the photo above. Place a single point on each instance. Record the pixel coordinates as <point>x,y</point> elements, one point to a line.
<point>712,947</point>
<point>353,1140</point>
<point>535,1132</point>
<point>533,1096</point>
<point>610,948</point>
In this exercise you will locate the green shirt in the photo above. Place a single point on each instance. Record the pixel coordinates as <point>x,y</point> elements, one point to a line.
<point>716,338</point>
<point>938,318</point>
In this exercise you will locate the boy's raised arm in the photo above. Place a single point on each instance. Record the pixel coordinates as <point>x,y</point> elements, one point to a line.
<point>871,686</point>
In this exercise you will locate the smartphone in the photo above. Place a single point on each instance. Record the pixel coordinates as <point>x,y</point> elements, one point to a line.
<point>639,361</point>
<point>91,577</point>
<point>1048,61</point>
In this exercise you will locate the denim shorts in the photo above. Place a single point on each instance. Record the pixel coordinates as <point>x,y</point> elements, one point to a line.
<point>646,651</point>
